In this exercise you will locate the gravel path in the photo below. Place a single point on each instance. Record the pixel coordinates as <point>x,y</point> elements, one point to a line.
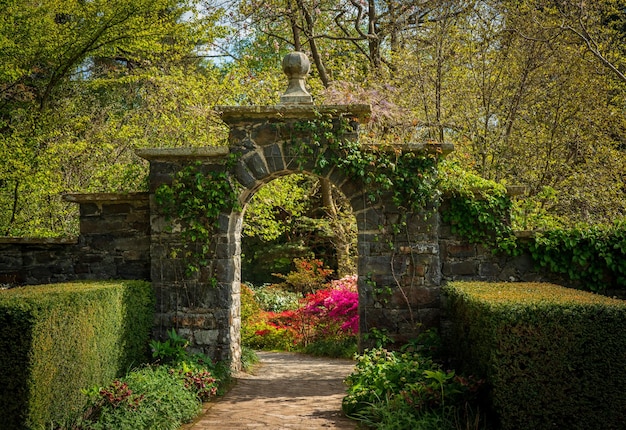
<point>286,391</point>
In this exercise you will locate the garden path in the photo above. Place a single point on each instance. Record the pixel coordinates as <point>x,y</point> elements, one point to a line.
<point>285,391</point>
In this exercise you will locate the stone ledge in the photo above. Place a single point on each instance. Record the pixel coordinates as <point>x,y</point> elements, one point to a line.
<point>231,114</point>
<point>168,154</point>
<point>525,234</point>
<point>105,197</point>
<point>38,240</point>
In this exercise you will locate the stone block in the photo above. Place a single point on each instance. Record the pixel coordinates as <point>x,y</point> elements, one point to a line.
<point>421,249</point>
<point>160,224</point>
<point>274,158</point>
<point>370,220</point>
<point>415,296</point>
<point>134,270</point>
<point>400,264</point>
<point>360,202</point>
<point>109,225</point>
<point>237,135</point>
<point>352,188</point>
<point>10,258</point>
<point>139,211</point>
<point>418,270</point>
<point>460,268</point>
<point>226,250</point>
<point>224,222</point>
<point>89,209</point>
<point>376,265</point>
<point>461,250</point>
<point>206,337</point>
<point>195,319</point>
<point>45,257</point>
<point>490,270</point>
<point>256,165</point>
<point>138,244</point>
<point>224,270</point>
<point>243,175</point>
<point>100,241</point>
<point>89,258</point>
<point>116,208</point>
<point>264,134</point>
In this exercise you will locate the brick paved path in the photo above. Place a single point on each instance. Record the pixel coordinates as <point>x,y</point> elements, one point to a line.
<point>287,391</point>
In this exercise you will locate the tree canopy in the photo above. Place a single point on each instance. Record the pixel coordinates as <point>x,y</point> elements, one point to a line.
<point>531,92</point>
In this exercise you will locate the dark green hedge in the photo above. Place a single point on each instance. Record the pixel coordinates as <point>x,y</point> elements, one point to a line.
<point>58,339</point>
<point>554,357</point>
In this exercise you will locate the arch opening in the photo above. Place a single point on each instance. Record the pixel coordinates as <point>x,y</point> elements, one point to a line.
<point>298,266</point>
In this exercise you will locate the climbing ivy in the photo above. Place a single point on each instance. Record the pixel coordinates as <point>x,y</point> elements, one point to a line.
<point>479,210</point>
<point>196,199</point>
<point>594,256</point>
<point>411,177</point>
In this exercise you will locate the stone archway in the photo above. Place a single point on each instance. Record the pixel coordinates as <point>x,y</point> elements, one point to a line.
<point>269,142</point>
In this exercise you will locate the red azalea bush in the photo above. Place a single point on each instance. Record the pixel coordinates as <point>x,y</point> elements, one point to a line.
<point>262,331</point>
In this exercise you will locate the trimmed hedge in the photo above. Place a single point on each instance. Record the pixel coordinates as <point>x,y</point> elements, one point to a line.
<point>553,357</point>
<point>58,339</point>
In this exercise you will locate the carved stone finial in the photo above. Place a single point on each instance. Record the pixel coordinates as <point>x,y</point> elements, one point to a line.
<point>296,66</point>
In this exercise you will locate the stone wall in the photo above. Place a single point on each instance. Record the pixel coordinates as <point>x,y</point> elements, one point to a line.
<point>36,261</point>
<point>464,261</point>
<point>114,243</point>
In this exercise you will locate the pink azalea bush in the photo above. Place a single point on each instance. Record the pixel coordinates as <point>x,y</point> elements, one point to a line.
<point>336,306</point>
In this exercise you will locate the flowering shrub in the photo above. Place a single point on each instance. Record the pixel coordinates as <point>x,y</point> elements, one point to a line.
<point>262,332</point>
<point>249,305</point>
<point>309,276</point>
<point>328,317</point>
<point>336,306</point>
<point>276,299</point>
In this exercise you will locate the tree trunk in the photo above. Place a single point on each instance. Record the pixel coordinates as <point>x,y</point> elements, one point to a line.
<point>341,239</point>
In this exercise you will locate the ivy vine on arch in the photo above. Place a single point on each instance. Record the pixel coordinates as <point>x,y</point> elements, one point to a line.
<point>196,198</point>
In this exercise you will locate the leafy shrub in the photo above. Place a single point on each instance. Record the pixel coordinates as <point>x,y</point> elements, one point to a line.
<point>550,354</point>
<point>250,307</point>
<point>406,389</point>
<point>593,255</point>
<point>171,350</point>
<point>337,348</point>
<point>398,415</point>
<point>273,298</point>
<point>248,357</point>
<point>150,398</point>
<point>477,209</point>
<point>157,396</point>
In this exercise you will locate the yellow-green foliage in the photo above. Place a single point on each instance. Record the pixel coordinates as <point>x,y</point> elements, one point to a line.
<point>554,357</point>
<point>58,339</point>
